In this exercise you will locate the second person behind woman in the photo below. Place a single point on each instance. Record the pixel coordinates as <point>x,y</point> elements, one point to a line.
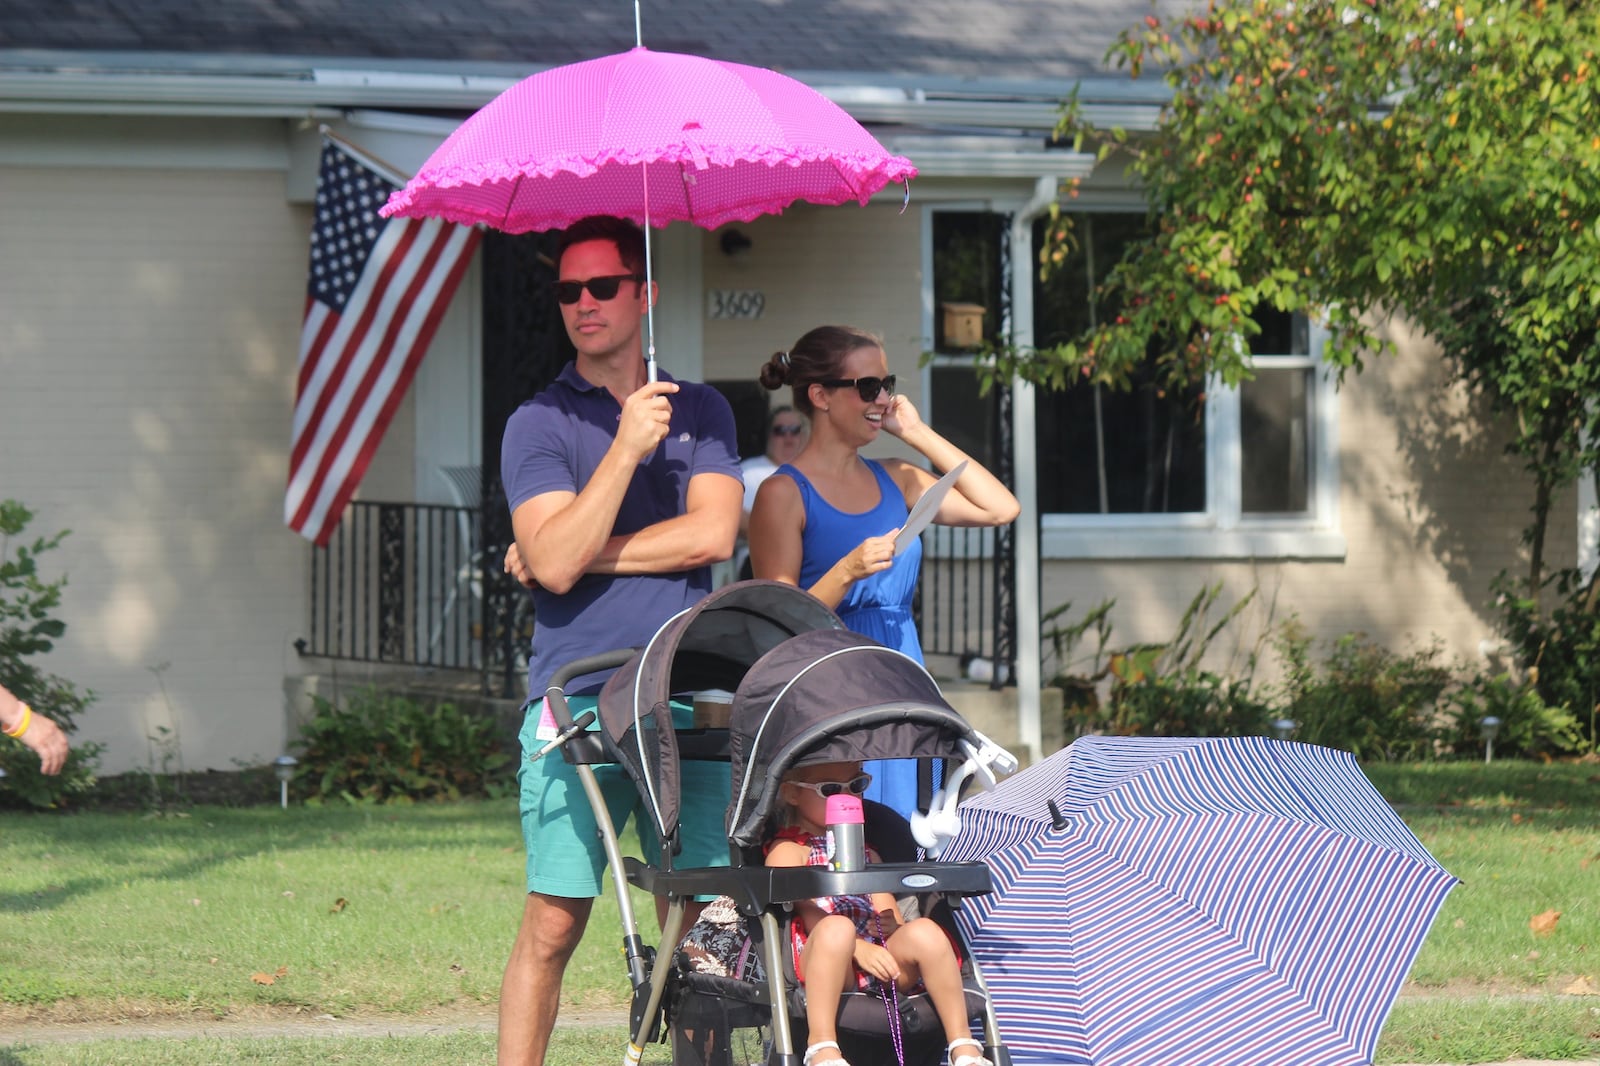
<point>827,520</point>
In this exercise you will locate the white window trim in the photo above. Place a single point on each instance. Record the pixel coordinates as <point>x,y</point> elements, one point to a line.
<point>1222,530</point>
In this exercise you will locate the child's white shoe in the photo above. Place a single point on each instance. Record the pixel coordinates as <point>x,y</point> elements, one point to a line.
<point>972,1058</point>
<point>815,1055</point>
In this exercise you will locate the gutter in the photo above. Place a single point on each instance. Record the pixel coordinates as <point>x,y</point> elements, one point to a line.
<point>173,84</point>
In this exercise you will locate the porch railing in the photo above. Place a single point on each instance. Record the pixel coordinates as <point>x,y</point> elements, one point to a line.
<point>961,598</point>
<point>411,584</point>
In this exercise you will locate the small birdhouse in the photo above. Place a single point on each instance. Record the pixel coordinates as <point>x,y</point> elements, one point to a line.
<point>963,325</point>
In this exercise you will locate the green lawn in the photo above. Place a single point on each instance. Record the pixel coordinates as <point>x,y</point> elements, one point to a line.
<point>406,911</point>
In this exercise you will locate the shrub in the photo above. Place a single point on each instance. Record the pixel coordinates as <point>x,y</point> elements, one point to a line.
<point>382,747</point>
<point>1160,689</point>
<point>1373,703</point>
<point>29,628</point>
<point>1529,727</point>
<point>1559,650</point>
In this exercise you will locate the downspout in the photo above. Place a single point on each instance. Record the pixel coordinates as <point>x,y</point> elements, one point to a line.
<point>1024,445</point>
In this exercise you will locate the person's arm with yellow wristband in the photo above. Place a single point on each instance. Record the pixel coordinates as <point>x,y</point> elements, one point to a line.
<point>21,722</point>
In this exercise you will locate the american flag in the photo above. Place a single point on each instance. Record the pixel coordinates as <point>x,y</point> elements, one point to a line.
<point>375,294</point>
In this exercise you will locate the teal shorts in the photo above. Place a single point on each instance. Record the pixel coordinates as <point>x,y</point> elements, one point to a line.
<point>565,854</point>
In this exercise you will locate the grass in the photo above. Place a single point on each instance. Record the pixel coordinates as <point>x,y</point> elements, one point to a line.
<point>1476,1029</point>
<point>337,910</point>
<point>1524,839</point>
<point>408,912</point>
<point>579,1047</point>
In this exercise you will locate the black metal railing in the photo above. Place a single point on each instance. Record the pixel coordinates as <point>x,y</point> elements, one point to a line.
<point>412,584</point>
<point>960,601</point>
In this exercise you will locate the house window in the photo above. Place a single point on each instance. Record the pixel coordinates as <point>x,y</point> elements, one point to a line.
<point>969,306</point>
<point>1154,472</point>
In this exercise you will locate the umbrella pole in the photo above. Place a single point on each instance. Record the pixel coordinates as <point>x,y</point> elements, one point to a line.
<point>650,306</point>
<point>649,291</point>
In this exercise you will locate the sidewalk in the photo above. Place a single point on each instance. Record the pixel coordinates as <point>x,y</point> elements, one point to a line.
<point>327,1025</point>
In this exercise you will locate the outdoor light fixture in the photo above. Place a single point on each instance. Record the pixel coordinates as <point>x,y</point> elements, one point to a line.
<point>283,766</point>
<point>1490,726</point>
<point>1283,728</point>
<point>734,243</point>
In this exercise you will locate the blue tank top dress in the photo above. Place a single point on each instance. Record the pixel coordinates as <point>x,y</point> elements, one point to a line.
<point>878,607</point>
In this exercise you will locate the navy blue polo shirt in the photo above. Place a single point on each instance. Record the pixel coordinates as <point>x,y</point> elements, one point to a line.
<point>554,443</point>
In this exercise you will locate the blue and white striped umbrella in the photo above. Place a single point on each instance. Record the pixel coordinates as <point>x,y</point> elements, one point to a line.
<point>1232,902</point>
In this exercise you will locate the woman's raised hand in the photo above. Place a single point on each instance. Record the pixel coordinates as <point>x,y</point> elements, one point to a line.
<point>901,417</point>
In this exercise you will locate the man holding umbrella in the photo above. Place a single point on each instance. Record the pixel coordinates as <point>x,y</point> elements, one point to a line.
<point>622,492</point>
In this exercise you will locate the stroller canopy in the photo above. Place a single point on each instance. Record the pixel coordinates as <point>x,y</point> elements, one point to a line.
<point>708,646</point>
<point>831,696</point>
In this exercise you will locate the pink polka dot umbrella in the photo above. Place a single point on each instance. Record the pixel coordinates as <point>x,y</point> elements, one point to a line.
<point>653,137</point>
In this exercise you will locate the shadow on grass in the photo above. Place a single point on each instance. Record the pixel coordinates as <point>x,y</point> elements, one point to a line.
<point>212,836</point>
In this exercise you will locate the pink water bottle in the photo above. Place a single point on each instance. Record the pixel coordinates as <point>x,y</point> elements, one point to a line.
<point>847,833</point>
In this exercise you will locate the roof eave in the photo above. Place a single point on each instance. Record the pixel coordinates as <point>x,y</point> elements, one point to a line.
<point>97,83</point>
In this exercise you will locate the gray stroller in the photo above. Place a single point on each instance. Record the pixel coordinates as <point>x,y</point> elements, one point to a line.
<point>805,691</point>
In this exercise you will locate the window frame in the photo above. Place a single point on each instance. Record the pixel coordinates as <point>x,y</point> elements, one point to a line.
<point>1222,531</point>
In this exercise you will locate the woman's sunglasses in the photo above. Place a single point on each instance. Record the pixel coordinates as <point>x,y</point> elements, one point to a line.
<point>856,786</point>
<point>787,431</point>
<point>604,287</point>
<point>866,388</point>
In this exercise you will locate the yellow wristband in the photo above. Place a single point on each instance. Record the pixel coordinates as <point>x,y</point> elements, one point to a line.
<point>22,726</point>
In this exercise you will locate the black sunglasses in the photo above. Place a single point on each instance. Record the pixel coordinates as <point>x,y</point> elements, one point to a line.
<point>604,287</point>
<point>866,388</point>
<point>787,431</point>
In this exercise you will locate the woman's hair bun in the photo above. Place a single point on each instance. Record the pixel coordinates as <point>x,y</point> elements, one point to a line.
<point>775,372</point>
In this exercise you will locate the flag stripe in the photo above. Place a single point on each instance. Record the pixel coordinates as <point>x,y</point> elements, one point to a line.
<point>376,293</point>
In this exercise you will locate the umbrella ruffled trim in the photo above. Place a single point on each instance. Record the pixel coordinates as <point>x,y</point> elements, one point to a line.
<point>869,164</point>
<point>866,174</point>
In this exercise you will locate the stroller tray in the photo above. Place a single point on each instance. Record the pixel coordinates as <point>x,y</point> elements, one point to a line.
<point>753,887</point>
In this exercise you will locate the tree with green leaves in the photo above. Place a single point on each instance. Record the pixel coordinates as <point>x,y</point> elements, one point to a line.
<point>28,629</point>
<point>1351,160</point>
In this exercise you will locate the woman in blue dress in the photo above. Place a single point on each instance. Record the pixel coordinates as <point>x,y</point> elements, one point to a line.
<point>826,521</point>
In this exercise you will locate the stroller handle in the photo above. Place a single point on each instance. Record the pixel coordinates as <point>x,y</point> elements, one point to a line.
<point>606,660</point>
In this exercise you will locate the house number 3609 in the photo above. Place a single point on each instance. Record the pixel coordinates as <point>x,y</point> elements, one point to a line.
<point>736,303</point>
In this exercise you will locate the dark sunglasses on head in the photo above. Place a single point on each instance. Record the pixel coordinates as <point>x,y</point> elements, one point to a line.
<point>787,431</point>
<point>604,287</point>
<point>856,786</point>
<point>866,388</point>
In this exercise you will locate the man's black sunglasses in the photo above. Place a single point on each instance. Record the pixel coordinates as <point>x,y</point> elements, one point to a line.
<point>604,287</point>
<point>866,388</point>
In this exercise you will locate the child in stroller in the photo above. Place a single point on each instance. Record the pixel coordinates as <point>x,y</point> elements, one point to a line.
<point>859,937</point>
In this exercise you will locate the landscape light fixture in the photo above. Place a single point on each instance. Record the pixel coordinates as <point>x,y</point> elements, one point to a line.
<point>1490,726</point>
<point>283,766</point>
<point>1283,728</point>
